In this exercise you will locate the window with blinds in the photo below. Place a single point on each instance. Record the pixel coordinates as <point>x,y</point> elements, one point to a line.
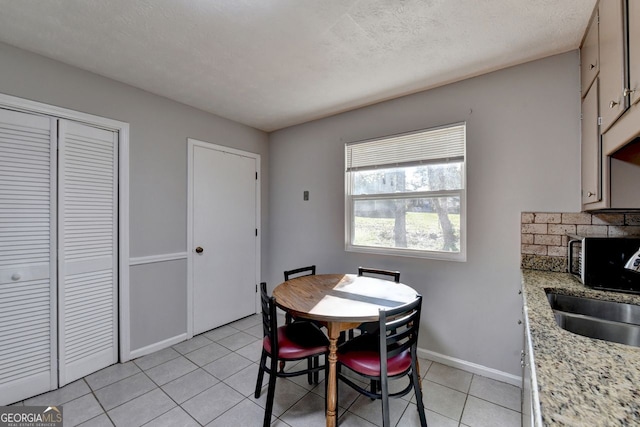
<point>405,194</point>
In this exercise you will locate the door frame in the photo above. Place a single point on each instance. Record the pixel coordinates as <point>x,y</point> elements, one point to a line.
<point>191,144</point>
<point>28,106</point>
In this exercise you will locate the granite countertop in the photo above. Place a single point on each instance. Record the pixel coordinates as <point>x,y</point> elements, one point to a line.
<point>581,381</point>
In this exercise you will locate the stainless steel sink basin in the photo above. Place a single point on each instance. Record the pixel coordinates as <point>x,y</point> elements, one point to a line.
<point>604,320</point>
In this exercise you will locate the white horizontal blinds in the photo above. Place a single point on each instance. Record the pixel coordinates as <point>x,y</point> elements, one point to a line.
<point>27,255</point>
<point>87,249</point>
<point>436,145</point>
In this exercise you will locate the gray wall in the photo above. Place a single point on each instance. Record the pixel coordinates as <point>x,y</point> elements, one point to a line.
<point>159,129</point>
<point>523,154</point>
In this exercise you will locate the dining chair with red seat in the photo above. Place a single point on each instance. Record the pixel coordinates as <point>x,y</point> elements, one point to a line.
<point>292,274</point>
<point>387,355</point>
<point>298,272</point>
<point>296,341</point>
<point>365,271</point>
<point>310,271</point>
<point>372,327</point>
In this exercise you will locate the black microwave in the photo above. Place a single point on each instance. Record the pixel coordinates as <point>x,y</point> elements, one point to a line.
<point>599,262</point>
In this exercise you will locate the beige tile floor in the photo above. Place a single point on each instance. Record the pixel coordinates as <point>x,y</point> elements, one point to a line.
<point>209,381</point>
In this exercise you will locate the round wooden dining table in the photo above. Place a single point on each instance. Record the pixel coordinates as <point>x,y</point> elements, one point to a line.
<point>341,302</point>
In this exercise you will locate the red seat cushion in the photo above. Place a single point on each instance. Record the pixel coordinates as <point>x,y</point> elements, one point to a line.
<point>367,362</point>
<point>299,341</point>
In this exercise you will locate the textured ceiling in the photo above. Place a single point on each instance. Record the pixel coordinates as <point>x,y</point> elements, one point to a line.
<point>275,63</point>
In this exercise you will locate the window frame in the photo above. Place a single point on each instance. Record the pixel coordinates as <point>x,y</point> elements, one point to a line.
<point>350,200</point>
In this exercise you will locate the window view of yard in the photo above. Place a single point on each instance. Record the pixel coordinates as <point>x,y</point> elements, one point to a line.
<point>386,214</point>
<point>423,230</point>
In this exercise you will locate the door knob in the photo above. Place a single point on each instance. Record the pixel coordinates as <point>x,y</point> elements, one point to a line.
<point>15,276</point>
<point>612,104</point>
<point>199,250</point>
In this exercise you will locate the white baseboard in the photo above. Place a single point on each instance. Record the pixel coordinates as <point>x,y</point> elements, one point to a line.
<point>474,368</point>
<point>134,354</point>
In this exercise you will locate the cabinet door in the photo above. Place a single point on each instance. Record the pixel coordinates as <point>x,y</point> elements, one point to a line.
<point>591,147</point>
<point>634,50</point>
<point>612,63</point>
<point>27,256</point>
<point>589,59</point>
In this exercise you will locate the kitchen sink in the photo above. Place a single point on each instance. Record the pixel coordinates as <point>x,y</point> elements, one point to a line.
<point>604,320</point>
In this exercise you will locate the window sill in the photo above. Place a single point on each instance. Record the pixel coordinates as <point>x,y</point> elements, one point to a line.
<point>410,253</point>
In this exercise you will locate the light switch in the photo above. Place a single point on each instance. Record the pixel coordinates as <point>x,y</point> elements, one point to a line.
<point>305,195</point>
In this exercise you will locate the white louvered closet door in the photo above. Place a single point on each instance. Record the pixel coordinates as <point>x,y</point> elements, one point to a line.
<point>87,249</point>
<point>27,256</point>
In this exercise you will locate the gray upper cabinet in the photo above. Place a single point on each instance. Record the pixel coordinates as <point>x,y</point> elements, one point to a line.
<point>634,51</point>
<point>589,58</point>
<point>610,151</point>
<point>591,148</point>
<point>612,61</point>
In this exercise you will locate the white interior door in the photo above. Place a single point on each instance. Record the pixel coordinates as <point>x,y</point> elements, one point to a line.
<point>27,255</point>
<point>224,226</point>
<point>87,249</point>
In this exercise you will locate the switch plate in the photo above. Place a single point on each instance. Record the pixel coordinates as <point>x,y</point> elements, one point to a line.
<point>305,195</point>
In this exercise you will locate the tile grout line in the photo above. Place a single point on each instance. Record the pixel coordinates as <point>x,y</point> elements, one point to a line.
<point>466,399</point>
<point>171,398</point>
<point>158,387</point>
<point>104,411</point>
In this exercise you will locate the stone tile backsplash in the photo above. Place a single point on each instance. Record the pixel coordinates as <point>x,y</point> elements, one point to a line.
<point>544,238</point>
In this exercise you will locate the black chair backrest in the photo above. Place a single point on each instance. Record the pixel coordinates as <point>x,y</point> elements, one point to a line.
<point>366,271</point>
<point>400,326</point>
<point>310,271</point>
<point>269,317</point>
